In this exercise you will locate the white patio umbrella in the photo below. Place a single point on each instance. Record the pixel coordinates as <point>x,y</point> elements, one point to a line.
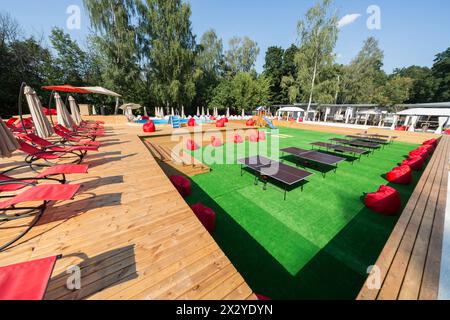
<point>172,112</point>
<point>94,111</point>
<point>74,110</point>
<point>198,111</point>
<point>41,124</point>
<point>203,111</point>
<point>145,112</point>
<point>8,143</point>
<point>63,116</point>
<point>243,113</point>
<point>162,112</point>
<point>182,112</point>
<point>207,112</point>
<point>228,112</point>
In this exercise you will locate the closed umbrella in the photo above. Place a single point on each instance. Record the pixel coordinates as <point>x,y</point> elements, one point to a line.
<point>203,111</point>
<point>145,112</point>
<point>8,144</point>
<point>64,117</point>
<point>198,111</point>
<point>228,112</point>
<point>41,124</point>
<point>207,112</point>
<point>74,110</point>
<point>182,112</point>
<point>243,113</point>
<point>172,112</point>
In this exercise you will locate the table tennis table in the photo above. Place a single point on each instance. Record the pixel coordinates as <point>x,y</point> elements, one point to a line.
<point>270,169</point>
<point>313,156</point>
<point>357,143</point>
<point>356,152</point>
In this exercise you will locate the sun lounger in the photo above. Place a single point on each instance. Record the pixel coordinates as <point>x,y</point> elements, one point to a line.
<point>312,156</point>
<point>47,145</point>
<point>34,154</point>
<point>267,168</point>
<point>41,193</point>
<point>356,152</point>
<point>27,280</point>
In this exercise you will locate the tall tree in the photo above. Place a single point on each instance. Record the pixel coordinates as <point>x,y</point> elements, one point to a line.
<point>273,70</point>
<point>363,78</point>
<point>441,74</point>
<point>241,55</point>
<point>170,51</point>
<point>209,60</point>
<point>118,41</point>
<point>423,83</point>
<point>318,35</point>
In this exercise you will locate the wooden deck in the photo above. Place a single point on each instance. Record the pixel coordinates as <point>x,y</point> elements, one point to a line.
<point>410,261</point>
<point>130,232</point>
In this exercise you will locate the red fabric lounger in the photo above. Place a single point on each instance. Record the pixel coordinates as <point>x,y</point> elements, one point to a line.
<point>400,175</point>
<point>44,192</point>
<point>385,201</point>
<point>27,280</point>
<point>206,216</point>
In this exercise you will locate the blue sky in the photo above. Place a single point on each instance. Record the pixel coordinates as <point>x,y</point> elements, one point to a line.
<point>412,32</point>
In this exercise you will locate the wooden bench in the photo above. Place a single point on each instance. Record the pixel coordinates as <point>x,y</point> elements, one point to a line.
<point>410,262</point>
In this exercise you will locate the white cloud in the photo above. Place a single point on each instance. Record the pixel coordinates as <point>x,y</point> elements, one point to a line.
<point>348,19</point>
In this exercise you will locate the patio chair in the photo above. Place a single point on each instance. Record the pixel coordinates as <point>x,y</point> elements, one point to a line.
<point>89,134</point>
<point>41,193</point>
<point>27,280</point>
<point>34,154</point>
<point>59,147</point>
<point>66,138</point>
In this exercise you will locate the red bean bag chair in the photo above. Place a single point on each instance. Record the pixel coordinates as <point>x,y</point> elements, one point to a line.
<point>385,201</point>
<point>149,126</point>
<point>262,298</point>
<point>238,139</point>
<point>182,184</point>
<point>225,120</point>
<point>300,120</point>
<point>415,163</point>
<point>433,142</point>
<point>253,138</point>
<point>250,123</point>
<point>447,131</point>
<point>220,123</point>
<point>419,153</point>
<point>428,148</point>
<point>191,122</point>
<point>206,216</point>
<point>191,145</point>
<point>212,118</point>
<point>145,117</point>
<point>400,175</point>
<point>402,128</point>
<point>216,142</point>
<point>261,136</point>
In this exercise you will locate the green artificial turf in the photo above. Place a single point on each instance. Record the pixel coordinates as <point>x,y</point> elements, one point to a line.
<point>318,243</point>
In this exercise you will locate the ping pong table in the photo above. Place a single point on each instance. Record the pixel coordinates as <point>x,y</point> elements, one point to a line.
<point>356,152</point>
<point>357,143</point>
<point>270,169</point>
<point>313,156</point>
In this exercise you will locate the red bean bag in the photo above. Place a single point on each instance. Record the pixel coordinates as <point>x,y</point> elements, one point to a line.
<point>415,163</point>
<point>220,123</point>
<point>400,175</point>
<point>253,138</point>
<point>191,145</point>
<point>182,184</point>
<point>191,122</point>
<point>262,298</point>
<point>145,117</point>
<point>261,136</point>
<point>419,153</point>
<point>402,128</point>
<point>433,142</point>
<point>250,123</point>
<point>206,216</point>
<point>149,126</point>
<point>428,148</point>
<point>225,120</point>
<point>238,139</point>
<point>212,118</point>
<point>385,201</point>
<point>447,131</point>
<point>216,142</point>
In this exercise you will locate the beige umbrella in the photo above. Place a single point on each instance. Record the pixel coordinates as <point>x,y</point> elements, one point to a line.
<point>203,111</point>
<point>243,113</point>
<point>42,126</point>
<point>173,113</point>
<point>198,112</point>
<point>74,110</point>
<point>145,112</point>
<point>8,144</point>
<point>228,112</point>
<point>63,117</point>
<point>182,112</point>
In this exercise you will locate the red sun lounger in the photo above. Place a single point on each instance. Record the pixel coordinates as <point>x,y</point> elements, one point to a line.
<point>34,154</point>
<point>47,175</point>
<point>41,193</point>
<point>27,280</point>
<point>47,145</point>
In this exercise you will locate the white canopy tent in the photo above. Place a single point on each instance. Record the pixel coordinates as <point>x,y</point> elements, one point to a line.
<point>414,115</point>
<point>294,112</point>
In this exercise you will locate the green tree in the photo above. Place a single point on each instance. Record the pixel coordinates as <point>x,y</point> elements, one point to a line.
<point>363,78</point>
<point>273,70</point>
<point>318,35</point>
<point>209,60</point>
<point>441,75</point>
<point>170,51</point>
<point>241,55</point>
<point>423,83</point>
<point>118,40</point>
<point>397,90</point>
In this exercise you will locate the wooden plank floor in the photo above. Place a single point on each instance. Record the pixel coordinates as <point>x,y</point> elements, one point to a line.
<point>130,232</point>
<point>410,261</point>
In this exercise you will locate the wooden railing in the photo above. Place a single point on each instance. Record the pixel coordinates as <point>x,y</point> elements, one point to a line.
<point>409,265</point>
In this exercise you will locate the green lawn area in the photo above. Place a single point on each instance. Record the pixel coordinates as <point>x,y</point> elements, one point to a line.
<point>315,245</point>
